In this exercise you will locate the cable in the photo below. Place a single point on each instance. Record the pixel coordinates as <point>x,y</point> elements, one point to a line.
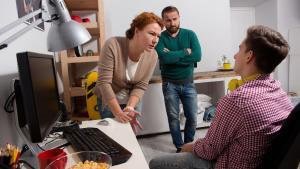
<point>25,162</point>
<point>9,104</point>
<point>40,147</point>
<point>57,136</point>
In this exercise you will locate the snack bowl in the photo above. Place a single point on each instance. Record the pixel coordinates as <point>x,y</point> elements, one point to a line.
<point>82,160</point>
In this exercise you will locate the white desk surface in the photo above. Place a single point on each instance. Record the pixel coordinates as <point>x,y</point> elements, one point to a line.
<point>123,134</point>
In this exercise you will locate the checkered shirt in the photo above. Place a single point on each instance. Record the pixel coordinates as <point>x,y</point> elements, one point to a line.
<point>244,123</point>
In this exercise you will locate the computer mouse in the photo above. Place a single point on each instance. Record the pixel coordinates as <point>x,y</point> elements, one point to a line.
<point>103,123</point>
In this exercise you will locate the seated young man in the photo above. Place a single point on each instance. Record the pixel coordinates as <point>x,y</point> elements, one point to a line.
<point>247,118</point>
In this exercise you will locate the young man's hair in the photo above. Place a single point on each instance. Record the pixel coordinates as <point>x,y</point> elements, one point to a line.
<point>141,21</point>
<point>268,46</point>
<point>169,9</point>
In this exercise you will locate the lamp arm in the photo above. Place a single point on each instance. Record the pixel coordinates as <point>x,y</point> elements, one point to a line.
<point>19,21</point>
<point>63,34</point>
<point>19,33</point>
<point>22,31</point>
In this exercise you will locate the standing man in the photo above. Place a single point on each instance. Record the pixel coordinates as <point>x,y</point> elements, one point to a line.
<point>248,118</point>
<point>178,50</point>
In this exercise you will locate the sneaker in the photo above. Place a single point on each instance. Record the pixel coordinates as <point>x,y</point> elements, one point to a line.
<point>178,150</point>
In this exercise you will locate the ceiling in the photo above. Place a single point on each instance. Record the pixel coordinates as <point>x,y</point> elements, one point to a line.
<point>245,3</point>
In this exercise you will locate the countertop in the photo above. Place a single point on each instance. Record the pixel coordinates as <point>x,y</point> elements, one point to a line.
<point>200,75</point>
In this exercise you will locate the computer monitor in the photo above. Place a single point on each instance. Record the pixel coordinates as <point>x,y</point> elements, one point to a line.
<point>37,99</point>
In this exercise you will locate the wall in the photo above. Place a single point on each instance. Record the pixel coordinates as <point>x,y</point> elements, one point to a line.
<point>266,14</point>
<point>282,15</point>
<point>241,19</point>
<point>210,19</point>
<point>34,40</point>
<point>288,18</point>
<point>294,60</point>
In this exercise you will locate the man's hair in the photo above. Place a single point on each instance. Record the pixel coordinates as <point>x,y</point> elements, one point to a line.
<point>169,9</point>
<point>268,46</point>
<point>141,21</point>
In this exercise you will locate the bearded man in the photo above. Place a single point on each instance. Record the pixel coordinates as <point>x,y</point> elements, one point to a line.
<point>178,51</point>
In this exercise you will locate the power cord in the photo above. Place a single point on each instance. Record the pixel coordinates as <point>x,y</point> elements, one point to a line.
<point>9,104</point>
<point>25,162</point>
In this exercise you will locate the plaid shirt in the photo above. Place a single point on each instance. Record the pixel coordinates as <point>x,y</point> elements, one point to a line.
<point>244,123</point>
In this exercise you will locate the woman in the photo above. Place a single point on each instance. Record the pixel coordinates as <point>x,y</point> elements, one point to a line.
<point>125,66</point>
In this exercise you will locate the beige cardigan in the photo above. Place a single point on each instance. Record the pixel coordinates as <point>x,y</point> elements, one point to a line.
<point>112,68</point>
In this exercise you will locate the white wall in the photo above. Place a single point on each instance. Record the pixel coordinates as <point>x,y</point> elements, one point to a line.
<point>294,59</point>
<point>241,19</point>
<point>282,15</point>
<point>210,19</point>
<point>288,18</point>
<point>34,40</point>
<point>266,14</point>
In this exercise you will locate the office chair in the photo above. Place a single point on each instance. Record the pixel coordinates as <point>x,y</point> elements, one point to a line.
<point>284,152</point>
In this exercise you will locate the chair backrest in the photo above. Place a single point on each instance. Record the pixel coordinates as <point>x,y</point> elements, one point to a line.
<point>284,152</point>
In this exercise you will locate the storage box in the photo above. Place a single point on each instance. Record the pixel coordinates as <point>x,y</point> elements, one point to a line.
<point>295,100</point>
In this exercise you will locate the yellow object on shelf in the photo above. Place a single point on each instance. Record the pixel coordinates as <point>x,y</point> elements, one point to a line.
<point>226,66</point>
<point>91,98</point>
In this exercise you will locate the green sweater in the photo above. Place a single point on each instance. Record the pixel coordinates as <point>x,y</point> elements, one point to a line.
<point>176,64</point>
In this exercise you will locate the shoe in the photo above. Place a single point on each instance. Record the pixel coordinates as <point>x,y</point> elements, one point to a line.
<point>178,150</point>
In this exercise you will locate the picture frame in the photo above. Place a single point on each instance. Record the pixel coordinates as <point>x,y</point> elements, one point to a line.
<point>25,7</point>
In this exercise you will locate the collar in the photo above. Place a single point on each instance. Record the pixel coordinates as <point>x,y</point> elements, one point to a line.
<point>250,78</point>
<point>235,83</point>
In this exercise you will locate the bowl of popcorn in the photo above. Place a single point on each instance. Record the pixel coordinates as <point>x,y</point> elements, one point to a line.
<point>82,160</point>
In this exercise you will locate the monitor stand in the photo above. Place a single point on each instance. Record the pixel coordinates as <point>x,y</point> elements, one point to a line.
<point>20,125</point>
<point>23,130</point>
<point>36,148</point>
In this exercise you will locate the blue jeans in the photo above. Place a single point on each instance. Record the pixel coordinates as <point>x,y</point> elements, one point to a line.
<point>105,111</point>
<point>188,96</point>
<point>180,161</point>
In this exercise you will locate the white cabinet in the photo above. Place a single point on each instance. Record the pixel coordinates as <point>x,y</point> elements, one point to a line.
<point>154,118</point>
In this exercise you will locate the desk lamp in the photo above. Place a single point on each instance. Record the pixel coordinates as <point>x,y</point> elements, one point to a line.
<point>63,34</point>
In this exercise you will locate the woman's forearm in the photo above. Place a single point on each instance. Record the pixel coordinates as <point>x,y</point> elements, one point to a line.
<point>133,101</point>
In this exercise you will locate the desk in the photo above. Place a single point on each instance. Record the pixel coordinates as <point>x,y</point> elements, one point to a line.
<point>123,134</point>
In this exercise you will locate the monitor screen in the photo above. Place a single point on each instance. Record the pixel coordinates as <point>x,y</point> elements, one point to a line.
<point>39,92</point>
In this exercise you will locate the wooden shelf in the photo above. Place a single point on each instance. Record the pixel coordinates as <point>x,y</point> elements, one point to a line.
<point>68,60</point>
<point>82,59</point>
<point>92,27</point>
<point>77,91</point>
<point>82,5</point>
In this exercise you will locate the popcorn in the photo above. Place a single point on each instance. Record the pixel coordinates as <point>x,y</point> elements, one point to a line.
<point>90,165</point>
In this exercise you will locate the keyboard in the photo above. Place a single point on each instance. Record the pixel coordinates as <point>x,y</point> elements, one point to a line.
<point>93,139</point>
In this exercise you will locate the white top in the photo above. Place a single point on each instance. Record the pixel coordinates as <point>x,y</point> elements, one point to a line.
<point>123,95</point>
<point>131,69</point>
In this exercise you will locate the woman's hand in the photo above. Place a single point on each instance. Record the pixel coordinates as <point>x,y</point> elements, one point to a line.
<point>123,117</point>
<point>133,114</point>
<point>128,109</point>
<point>134,122</point>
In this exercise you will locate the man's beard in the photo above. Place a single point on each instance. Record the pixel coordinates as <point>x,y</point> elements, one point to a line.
<point>173,29</point>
